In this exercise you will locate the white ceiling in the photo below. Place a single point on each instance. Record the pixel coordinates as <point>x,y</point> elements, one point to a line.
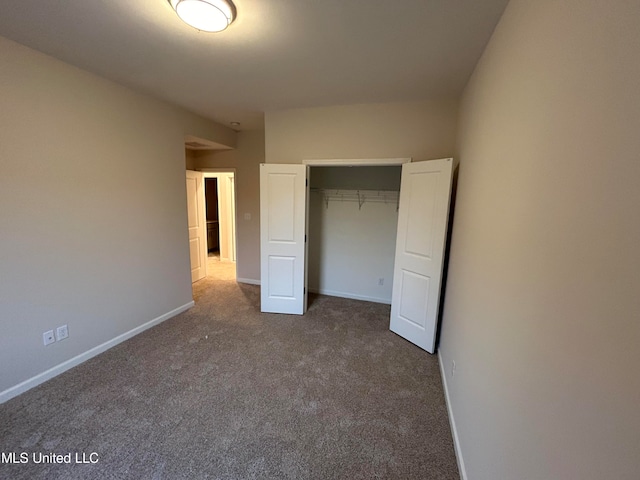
<point>277,54</point>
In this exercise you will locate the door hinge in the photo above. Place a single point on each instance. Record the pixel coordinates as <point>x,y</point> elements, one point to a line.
<point>304,290</point>
<point>306,182</point>
<point>305,238</point>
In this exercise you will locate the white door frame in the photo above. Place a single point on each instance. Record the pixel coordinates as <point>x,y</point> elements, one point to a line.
<point>272,303</point>
<point>356,162</point>
<point>227,219</point>
<point>349,162</point>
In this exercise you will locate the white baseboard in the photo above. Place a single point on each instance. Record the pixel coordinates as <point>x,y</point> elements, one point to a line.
<point>452,421</point>
<point>22,387</point>
<point>250,281</point>
<point>353,296</point>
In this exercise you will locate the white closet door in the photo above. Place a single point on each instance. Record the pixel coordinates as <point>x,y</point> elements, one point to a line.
<point>425,192</point>
<point>197,225</point>
<point>283,197</point>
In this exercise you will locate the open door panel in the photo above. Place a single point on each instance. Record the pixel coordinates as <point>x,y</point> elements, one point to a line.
<point>425,193</point>
<point>283,211</point>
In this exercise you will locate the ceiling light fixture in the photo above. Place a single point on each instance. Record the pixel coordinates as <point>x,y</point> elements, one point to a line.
<point>205,15</point>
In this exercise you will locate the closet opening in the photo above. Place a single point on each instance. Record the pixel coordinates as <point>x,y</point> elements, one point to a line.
<point>353,218</point>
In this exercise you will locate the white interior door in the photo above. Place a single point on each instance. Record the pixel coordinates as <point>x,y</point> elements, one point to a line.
<point>425,192</point>
<point>232,217</point>
<point>224,216</point>
<point>197,225</point>
<point>283,198</point>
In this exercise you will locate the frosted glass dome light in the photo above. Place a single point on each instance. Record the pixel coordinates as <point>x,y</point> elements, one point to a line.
<point>205,15</point>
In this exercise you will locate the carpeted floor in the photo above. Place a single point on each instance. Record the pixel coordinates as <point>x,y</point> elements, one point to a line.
<point>225,392</point>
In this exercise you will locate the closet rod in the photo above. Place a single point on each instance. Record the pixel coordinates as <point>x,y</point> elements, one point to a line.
<point>360,196</point>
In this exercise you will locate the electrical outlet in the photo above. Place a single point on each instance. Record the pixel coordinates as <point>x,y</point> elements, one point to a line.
<point>48,338</point>
<point>247,216</point>
<point>381,281</point>
<point>62,332</point>
<point>453,368</point>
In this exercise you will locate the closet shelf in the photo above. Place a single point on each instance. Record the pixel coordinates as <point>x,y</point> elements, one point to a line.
<point>361,196</point>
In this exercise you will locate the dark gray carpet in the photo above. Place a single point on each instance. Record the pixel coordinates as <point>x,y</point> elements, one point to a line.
<point>225,392</point>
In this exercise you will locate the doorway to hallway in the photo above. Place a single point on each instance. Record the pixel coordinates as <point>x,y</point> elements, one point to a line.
<point>212,223</point>
<point>220,201</point>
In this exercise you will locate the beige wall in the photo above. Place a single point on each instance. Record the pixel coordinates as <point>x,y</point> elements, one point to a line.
<point>93,210</point>
<point>423,131</point>
<point>542,307</point>
<point>246,160</point>
<point>190,159</point>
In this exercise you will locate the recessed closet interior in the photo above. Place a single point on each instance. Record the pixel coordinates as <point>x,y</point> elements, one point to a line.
<point>353,217</point>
